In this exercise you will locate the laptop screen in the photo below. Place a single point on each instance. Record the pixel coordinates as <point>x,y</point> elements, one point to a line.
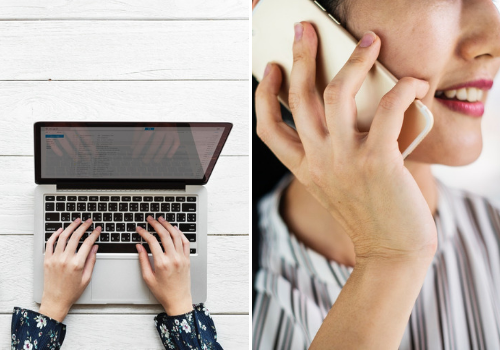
<point>77,152</point>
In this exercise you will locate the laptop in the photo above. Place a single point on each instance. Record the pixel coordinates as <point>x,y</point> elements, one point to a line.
<point>118,174</point>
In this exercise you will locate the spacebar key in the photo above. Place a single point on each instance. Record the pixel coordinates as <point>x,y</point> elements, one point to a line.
<point>116,248</point>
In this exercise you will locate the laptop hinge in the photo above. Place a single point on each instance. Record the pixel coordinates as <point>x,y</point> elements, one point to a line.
<point>122,186</point>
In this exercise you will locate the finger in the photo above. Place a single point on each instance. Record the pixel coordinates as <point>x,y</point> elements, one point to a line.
<point>89,265</point>
<point>185,243</point>
<point>75,237</point>
<point>274,132</point>
<point>154,246</point>
<point>146,269</point>
<point>165,238</point>
<point>254,3</point>
<point>388,120</point>
<point>174,147</point>
<point>61,243</point>
<point>49,247</point>
<point>303,98</point>
<point>339,95</point>
<point>86,246</point>
<point>174,234</point>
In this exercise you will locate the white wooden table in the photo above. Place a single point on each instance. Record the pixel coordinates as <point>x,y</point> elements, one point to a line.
<point>127,60</point>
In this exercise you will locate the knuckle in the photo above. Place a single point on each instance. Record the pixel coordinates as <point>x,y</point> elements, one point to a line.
<point>357,60</point>
<point>389,101</point>
<point>294,99</point>
<point>333,92</point>
<point>298,56</point>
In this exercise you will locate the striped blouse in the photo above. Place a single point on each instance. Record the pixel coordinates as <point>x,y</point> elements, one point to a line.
<point>458,306</point>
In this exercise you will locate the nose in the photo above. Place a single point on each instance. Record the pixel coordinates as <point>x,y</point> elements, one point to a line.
<point>481,29</point>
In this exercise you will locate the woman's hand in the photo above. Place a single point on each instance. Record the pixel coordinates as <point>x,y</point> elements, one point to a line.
<point>359,177</point>
<point>170,282</point>
<point>67,272</point>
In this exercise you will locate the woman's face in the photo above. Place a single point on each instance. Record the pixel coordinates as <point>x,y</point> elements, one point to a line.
<point>450,44</point>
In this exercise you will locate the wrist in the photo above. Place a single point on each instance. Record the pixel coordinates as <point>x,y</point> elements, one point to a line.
<point>178,308</point>
<point>53,310</point>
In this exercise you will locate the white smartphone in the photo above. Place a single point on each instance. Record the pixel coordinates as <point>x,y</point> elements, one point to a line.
<point>272,39</point>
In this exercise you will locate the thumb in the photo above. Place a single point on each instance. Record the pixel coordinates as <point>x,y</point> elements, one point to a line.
<point>146,270</point>
<point>89,264</point>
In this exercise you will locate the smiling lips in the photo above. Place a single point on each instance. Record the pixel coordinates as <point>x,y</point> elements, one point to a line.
<point>465,98</point>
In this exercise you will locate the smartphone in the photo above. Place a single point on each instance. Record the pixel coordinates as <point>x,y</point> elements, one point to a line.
<point>272,40</point>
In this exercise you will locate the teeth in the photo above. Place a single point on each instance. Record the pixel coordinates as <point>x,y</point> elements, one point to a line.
<point>470,94</point>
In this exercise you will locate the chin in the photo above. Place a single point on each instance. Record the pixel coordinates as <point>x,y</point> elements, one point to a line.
<point>454,140</point>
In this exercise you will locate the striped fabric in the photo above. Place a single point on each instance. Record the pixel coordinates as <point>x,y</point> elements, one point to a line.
<point>457,308</point>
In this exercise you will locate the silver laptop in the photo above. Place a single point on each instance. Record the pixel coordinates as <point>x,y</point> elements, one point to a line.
<point>118,174</point>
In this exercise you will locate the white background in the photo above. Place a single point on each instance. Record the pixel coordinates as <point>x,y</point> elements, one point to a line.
<point>127,60</point>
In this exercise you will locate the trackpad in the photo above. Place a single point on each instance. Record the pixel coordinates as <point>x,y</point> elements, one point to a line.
<point>118,281</point>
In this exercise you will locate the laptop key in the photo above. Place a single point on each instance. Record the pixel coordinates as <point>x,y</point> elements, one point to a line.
<point>102,206</point>
<point>47,235</point>
<point>191,237</point>
<point>169,199</point>
<point>115,237</point>
<point>137,199</point>
<point>83,198</point>
<point>52,226</point>
<point>97,224</point>
<point>144,206</point>
<point>150,228</point>
<point>134,207</point>
<point>96,216</point>
<point>49,198</point>
<point>157,215</point>
<point>131,227</point>
<point>93,198</point>
<point>86,216</point>
<point>120,227</point>
<point>142,224</point>
<point>126,198</point>
<point>110,227</point>
<point>90,228</point>
<point>155,206</point>
<point>60,206</point>
<point>148,199</point>
<point>192,251</point>
<point>191,217</point>
<point>74,216</point>
<point>128,217</point>
<point>187,227</point>
<point>125,237</point>
<point>107,217</point>
<point>188,207</point>
<point>191,199</point>
<point>61,198</point>
<point>136,237</point>
<point>104,198</point>
<point>104,237</point>
<point>176,207</point>
<point>51,216</point>
<point>158,199</point>
<point>71,198</point>
<point>70,206</point>
<point>180,199</point>
<point>115,198</point>
<point>49,206</point>
<point>169,217</point>
<point>123,207</point>
<point>92,206</point>
<point>165,207</point>
<point>81,206</point>
<point>113,206</point>
<point>139,217</point>
<point>66,225</point>
<point>181,217</point>
<point>118,217</point>
<point>65,217</point>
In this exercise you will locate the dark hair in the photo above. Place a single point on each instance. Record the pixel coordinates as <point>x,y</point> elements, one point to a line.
<point>338,8</point>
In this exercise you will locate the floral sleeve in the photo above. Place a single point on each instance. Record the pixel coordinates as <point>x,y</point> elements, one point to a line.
<point>194,330</point>
<point>31,330</point>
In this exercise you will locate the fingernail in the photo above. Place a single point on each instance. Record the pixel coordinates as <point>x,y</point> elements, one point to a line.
<point>78,220</point>
<point>94,249</point>
<point>98,228</point>
<point>88,220</point>
<point>149,217</point>
<point>267,70</point>
<point>161,219</point>
<point>367,39</point>
<point>59,229</point>
<point>139,248</point>
<point>299,29</point>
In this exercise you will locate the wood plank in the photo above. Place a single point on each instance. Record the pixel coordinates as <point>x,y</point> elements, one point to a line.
<point>124,50</point>
<point>228,203</point>
<point>123,9</point>
<point>228,278</point>
<point>23,103</point>
<point>134,331</point>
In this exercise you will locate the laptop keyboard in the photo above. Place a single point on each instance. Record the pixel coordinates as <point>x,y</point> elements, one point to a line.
<point>119,215</point>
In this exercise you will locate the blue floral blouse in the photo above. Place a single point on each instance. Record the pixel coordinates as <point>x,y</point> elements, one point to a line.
<point>193,330</point>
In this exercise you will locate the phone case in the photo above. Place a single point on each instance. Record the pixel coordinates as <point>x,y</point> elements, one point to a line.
<point>272,40</point>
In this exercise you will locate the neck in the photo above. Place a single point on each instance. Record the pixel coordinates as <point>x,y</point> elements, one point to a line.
<point>317,229</point>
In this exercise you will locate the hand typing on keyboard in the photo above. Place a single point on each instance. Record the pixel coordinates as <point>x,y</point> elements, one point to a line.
<point>170,281</point>
<point>66,271</point>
